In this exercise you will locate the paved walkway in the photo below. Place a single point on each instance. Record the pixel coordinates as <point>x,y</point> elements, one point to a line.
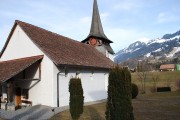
<point>38,112</point>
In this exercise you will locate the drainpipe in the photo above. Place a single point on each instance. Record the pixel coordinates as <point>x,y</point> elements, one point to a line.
<point>58,88</point>
<point>58,74</point>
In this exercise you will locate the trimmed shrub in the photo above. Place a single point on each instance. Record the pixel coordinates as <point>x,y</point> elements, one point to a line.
<point>134,91</point>
<point>119,106</point>
<point>76,98</point>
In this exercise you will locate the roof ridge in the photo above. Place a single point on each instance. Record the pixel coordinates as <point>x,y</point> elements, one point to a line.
<point>25,58</point>
<point>22,22</point>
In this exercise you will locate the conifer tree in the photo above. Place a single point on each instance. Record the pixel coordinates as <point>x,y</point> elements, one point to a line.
<point>76,98</point>
<point>119,106</point>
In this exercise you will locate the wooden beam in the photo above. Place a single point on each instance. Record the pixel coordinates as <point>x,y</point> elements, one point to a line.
<point>18,80</point>
<point>39,70</point>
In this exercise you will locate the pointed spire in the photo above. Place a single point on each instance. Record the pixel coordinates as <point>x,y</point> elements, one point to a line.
<point>96,25</point>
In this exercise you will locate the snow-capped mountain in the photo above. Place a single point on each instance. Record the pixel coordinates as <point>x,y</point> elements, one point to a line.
<point>168,46</point>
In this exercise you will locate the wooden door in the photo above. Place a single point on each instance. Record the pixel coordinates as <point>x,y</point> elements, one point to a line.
<point>18,96</point>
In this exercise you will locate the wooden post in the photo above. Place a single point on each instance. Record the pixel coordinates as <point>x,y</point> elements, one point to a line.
<point>0,93</point>
<point>39,70</point>
<point>18,98</point>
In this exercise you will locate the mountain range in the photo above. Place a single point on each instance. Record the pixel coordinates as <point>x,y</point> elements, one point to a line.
<point>167,47</point>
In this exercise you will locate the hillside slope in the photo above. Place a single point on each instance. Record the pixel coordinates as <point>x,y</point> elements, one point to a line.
<point>166,47</point>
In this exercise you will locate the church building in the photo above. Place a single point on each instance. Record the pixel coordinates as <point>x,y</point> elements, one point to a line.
<point>36,65</point>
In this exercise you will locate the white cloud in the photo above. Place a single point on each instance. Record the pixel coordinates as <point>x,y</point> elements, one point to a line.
<point>119,37</point>
<point>85,20</point>
<point>104,16</point>
<point>4,30</point>
<point>14,15</point>
<point>45,7</point>
<point>162,17</point>
<point>127,5</point>
<point>122,38</point>
<point>166,17</point>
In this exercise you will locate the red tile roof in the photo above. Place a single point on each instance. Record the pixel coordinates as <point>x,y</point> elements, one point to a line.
<point>62,50</point>
<point>10,68</point>
<point>167,66</point>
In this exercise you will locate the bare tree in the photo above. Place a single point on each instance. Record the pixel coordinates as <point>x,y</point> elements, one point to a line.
<point>155,79</point>
<point>142,70</point>
<point>168,82</point>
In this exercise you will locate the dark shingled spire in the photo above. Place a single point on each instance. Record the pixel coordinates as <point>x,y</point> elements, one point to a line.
<point>96,26</point>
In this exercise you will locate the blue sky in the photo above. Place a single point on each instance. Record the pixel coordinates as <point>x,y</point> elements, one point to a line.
<point>124,21</point>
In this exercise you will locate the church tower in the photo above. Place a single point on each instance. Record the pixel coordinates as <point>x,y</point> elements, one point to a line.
<point>96,37</point>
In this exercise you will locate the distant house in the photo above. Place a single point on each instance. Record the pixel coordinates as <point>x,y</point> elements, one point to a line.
<point>168,67</point>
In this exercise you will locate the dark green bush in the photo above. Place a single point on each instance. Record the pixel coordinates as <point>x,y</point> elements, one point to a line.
<point>76,98</point>
<point>134,91</point>
<point>119,106</point>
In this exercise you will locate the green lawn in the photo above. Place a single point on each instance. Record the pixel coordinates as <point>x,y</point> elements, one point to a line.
<point>157,106</point>
<point>165,79</point>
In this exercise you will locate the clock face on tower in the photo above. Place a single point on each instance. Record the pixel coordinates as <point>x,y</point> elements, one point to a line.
<point>93,41</point>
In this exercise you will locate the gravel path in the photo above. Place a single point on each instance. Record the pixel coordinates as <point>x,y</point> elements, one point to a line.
<point>38,112</point>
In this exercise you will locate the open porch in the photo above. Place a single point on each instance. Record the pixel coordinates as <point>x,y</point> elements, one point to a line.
<point>17,78</point>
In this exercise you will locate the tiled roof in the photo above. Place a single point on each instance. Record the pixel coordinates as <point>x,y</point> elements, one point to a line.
<point>167,66</point>
<point>10,68</point>
<point>65,51</point>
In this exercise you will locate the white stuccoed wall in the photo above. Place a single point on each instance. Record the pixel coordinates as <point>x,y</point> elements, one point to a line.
<point>21,46</point>
<point>42,93</point>
<point>45,91</point>
<point>94,89</point>
<point>110,56</point>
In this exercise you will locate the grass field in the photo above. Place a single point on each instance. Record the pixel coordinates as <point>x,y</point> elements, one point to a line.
<point>165,79</point>
<point>156,106</point>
